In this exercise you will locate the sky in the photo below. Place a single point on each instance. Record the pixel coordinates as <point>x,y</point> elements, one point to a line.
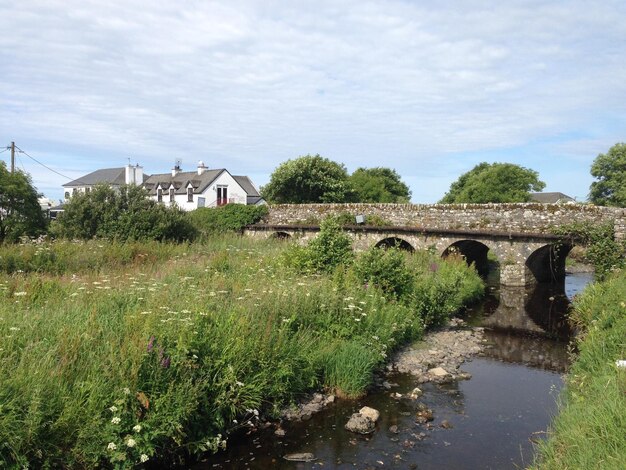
<point>429,89</point>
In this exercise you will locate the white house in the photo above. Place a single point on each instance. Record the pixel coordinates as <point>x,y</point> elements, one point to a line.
<point>114,177</point>
<point>187,189</point>
<point>201,188</point>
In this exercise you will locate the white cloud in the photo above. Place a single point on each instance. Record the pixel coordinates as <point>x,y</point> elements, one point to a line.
<point>424,88</point>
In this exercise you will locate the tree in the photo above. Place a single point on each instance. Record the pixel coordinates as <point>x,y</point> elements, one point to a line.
<point>308,179</point>
<point>494,182</point>
<point>379,185</point>
<point>610,170</point>
<point>124,214</point>
<point>20,212</point>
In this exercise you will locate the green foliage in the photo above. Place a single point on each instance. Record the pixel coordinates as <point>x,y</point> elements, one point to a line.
<point>379,184</point>
<point>590,427</point>
<point>387,270</point>
<point>332,247</point>
<point>20,212</point>
<point>179,344</point>
<point>495,182</point>
<point>603,251</point>
<point>348,368</point>
<point>610,171</point>
<point>228,218</point>
<point>124,214</point>
<point>441,288</point>
<point>308,179</point>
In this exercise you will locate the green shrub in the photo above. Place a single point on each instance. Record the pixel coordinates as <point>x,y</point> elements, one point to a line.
<point>386,269</point>
<point>331,248</point>
<point>228,218</point>
<point>603,251</point>
<point>124,214</point>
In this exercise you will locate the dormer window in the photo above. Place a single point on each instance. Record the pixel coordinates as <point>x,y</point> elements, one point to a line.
<point>172,190</point>
<point>159,195</point>
<point>190,194</point>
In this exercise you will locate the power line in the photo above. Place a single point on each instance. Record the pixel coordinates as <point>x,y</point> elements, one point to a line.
<point>42,164</point>
<point>6,149</point>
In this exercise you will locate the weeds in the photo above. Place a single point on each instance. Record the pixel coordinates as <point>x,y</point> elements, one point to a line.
<point>120,354</point>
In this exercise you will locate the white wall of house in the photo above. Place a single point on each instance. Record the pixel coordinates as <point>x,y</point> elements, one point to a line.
<point>235,194</point>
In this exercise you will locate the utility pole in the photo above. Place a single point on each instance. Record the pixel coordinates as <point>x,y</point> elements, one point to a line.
<point>12,157</point>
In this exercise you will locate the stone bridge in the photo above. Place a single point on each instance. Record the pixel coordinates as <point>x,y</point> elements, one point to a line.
<point>520,236</point>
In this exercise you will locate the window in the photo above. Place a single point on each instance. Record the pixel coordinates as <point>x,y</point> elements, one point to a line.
<point>87,189</point>
<point>172,194</point>
<point>67,194</point>
<point>190,194</point>
<point>159,195</point>
<point>222,195</point>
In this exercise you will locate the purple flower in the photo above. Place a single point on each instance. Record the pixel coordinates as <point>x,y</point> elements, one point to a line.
<point>151,343</point>
<point>165,362</point>
<point>434,267</point>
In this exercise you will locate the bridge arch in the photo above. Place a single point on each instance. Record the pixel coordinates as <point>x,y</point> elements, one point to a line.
<point>280,236</point>
<point>547,263</point>
<point>472,251</point>
<point>395,242</point>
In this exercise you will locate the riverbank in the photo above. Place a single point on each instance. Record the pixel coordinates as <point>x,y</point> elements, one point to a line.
<point>159,357</point>
<point>590,430</point>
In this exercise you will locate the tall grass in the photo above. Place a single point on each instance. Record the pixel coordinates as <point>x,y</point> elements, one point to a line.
<point>134,358</point>
<point>590,430</point>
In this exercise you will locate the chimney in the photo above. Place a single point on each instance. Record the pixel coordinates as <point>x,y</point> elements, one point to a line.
<point>129,174</point>
<point>176,169</point>
<point>201,167</point>
<point>138,174</point>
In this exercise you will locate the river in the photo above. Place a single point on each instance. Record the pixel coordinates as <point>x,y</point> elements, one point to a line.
<point>487,422</point>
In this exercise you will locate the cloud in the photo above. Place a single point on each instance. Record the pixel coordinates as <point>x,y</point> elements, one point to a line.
<point>423,87</point>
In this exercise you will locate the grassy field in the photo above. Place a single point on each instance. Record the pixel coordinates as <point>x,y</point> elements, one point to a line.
<point>590,430</point>
<point>117,354</point>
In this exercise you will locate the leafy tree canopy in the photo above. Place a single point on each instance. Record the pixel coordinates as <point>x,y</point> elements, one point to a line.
<point>20,212</point>
<point>610,170</point>
<point>494,182</point>
<point>308,179</point>
<point>124,214</point>
<point>379,185</point>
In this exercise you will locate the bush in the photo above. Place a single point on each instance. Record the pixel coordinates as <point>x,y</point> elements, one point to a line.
<point>331,248</point>
<point>603,251</point>
<point>228,218</point>
<point>385,269</point>
<point>124,214</point>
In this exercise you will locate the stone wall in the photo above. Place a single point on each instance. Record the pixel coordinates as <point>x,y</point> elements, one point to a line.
<point>524,218</point>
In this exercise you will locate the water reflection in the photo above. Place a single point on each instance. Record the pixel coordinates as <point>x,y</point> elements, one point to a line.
<point>530,325</point>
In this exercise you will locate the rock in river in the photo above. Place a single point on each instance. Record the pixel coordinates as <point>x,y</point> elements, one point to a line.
<point>300,457</point>
<point>363,422</point>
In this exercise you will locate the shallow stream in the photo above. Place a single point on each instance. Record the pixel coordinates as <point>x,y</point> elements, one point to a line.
<point>489,422</point>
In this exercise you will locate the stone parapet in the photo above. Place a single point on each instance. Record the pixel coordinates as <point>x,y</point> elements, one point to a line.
<point>523,217</point>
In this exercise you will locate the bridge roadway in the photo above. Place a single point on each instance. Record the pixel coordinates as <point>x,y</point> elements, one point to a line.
<point>525,258</point>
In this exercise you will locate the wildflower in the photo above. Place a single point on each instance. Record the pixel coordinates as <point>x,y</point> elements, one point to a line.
<point>143,458</point>
<point>165,362</point>
<point>19,294</point>
<point>111,446</point>
<point>126,391</point>
<point>131,442</point>
<point>113,409</point>
<point>14,328</point>
<point>151,343</point>
<point>116,420</point>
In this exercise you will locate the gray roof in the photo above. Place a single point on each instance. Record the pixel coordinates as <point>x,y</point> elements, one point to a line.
<point>181,181</point>
<point>112,176</point>
<point>550,198</point>
<point>247,185</point>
